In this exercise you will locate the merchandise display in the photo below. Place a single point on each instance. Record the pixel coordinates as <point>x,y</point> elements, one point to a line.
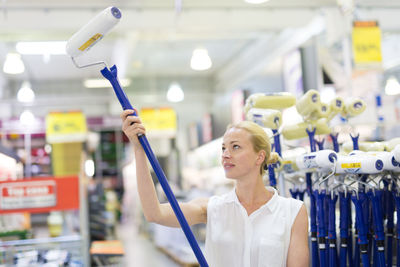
<point>334,174</point>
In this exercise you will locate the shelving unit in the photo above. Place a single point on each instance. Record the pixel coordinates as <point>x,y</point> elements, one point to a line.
<point>40,196</point>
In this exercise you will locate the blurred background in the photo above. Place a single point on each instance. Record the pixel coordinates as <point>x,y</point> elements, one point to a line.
<point>188,67</point>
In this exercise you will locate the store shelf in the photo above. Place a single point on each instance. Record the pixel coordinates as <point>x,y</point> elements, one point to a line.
<point>35,241</point>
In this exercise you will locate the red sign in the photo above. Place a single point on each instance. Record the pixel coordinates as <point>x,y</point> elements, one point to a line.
<point>39,195</point>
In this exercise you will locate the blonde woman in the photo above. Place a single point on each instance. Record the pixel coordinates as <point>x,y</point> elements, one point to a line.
<point>252,226</point>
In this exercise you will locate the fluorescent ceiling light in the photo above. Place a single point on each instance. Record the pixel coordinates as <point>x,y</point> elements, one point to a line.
<point>392,86</point>
<point>41,48</point>
<point>25,93</point>
<point>104,83</point>
<point>89,168</point>
<point>200,59</point>
<point>27,118</point>
<point>13,64</point>
<point>175,93</point>
<point>256,1</point>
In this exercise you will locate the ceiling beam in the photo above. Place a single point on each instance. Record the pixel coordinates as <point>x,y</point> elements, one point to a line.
<point>256,59</point>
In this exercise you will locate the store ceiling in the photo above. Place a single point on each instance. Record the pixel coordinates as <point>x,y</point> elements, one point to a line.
<point>157,37</point>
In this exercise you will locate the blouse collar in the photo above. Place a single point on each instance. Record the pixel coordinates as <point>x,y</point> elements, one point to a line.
<point>270,205</point>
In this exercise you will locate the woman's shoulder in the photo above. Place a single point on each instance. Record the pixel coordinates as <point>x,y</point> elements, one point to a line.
<point>227,197</point>
<point>289,202</point>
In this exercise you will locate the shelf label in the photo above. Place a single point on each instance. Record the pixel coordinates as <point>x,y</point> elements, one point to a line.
<point>34,194</point>
<point>159,121</point>
<point>366,43</point>
<point>65,127</point>
<point>39,194</point>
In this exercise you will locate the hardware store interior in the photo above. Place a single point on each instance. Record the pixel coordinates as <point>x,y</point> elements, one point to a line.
<point>68,190</point>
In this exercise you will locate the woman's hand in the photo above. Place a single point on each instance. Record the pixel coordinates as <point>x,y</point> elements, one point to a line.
<point>132,126</point>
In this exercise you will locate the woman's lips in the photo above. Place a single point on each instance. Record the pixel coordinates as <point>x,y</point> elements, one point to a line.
<point>228,166</point>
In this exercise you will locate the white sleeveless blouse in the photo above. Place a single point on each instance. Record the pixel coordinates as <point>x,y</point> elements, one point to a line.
<point>262,239</point>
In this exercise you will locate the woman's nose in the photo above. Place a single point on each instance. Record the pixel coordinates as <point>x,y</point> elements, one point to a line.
<point>226,154</point>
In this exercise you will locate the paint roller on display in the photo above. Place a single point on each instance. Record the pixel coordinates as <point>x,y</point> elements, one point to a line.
<point>264,109</point>
<point>81,42</point>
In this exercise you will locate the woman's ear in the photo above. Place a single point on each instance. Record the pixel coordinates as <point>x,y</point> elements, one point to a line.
<point>261,157</point>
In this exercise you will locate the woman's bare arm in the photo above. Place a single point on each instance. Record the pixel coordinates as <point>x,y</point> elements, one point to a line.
<point>195,211</point>
<point>298,254</point>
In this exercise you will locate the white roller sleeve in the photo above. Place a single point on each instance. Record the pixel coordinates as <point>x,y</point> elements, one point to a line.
<point>323,160</point>
<point>289,165</point>
<point>93,31</point>
<point>388,159</point>
<point>396,153</point>
<point>270,118</point>
<point>359,164</point>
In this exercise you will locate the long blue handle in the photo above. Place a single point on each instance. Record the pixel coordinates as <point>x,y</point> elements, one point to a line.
<point>320,197</point>
<point>332,230</point>
<point>313,209</point>
<point>344,227</point>
<point>362,227</point>
<point>376,200</point>
<point>111,75</point>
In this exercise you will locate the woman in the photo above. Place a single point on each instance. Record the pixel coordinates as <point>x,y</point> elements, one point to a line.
<point>252,226</point>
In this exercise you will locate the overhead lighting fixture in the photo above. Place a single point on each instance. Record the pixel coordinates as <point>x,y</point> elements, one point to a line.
<point>175,93</point>
<point>41,48</point>
<point>256,1</point>
<point>89,168</point>
<point>25,93</point>
<point>104,83</point>
<point>392,86</point>
<point>27,118</point>
<point>200,59</point>
<point>13,64</point>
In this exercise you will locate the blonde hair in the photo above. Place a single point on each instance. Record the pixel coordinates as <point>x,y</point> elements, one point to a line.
<point>260,141</point>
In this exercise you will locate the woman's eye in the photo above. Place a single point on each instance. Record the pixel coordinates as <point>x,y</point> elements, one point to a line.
<point>236,146</point>
<point>223,149</point>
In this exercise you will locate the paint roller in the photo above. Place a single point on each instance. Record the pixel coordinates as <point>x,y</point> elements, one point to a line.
<point>359,164</point>
<point>396,153</point>
<point>81,42</point>
<point>388,159</point>
<point>308,103</point>
<point>336,106</point>
<point>353,107</point>
<point>289,165</point>
<point>323,160</point>
<point>270,118</point>
<point>322,112</point>
<point>364,146</point>
<point>297,131</point>
<point>278,101</point>
<point>392,143</point>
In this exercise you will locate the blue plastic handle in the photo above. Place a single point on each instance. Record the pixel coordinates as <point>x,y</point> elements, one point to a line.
<point>111,75</point>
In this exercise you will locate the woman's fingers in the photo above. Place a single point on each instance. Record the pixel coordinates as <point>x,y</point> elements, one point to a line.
<point>131,125</point>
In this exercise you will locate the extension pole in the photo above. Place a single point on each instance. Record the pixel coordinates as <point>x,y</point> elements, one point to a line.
<point>111,75</point>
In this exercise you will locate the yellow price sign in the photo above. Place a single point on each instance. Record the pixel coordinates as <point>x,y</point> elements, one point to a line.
<point>366,42</point>
<point>355,165</point>
<point>159,119</point>
<point>65,127</point>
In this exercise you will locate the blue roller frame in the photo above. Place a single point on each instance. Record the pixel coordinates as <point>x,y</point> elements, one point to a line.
<point>358,200</point>
<point>313,208</point>
<point>111,75</point>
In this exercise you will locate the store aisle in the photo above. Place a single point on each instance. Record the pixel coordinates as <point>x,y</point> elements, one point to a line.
<point>140,251</point>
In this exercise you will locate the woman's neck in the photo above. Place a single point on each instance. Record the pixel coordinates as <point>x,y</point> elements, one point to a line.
<point>252,192</point>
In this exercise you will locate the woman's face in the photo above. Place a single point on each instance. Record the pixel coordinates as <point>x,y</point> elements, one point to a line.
<point>238,155</point>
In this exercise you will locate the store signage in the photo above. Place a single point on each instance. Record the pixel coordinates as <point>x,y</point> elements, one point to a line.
<point>65,127</point>
<point>39,195</point>
<point>159,120</point>
<point>366,43</point>
<point>28,195</point>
